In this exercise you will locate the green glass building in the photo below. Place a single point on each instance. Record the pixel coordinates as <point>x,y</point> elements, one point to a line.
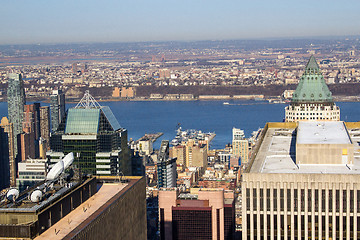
<point>96,138</point>
<point>16,101</point>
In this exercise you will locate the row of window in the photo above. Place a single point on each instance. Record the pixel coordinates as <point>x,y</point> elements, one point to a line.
<point>301,199</point>
<point>331,225</point>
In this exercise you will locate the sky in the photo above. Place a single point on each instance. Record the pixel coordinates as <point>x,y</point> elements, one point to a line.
<point>69,21</point>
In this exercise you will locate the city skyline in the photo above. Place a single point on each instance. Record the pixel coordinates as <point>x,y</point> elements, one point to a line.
<point>127,21</point>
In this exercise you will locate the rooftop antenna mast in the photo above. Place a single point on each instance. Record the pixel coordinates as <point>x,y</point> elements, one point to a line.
<point>88,102</point>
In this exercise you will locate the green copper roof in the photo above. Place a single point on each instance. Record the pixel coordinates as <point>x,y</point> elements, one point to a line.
<point>312,86</point>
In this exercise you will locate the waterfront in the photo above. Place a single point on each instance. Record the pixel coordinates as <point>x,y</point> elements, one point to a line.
<point>209,116</point>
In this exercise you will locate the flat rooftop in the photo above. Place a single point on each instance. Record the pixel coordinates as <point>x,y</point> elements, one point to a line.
<point>322,133</point>
<point>276,153</point>
<point>79,215</point>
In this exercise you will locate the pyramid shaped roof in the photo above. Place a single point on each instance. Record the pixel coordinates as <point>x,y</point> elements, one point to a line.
<point>312,86</point>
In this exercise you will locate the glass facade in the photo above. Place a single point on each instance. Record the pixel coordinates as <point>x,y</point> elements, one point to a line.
<point>57,108</point>
<point>97,146</point>
<point>16,102</point>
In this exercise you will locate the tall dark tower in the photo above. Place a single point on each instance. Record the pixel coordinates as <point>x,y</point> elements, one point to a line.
<point>57,108</point>
<point>16,102</point>
<point>4,160</point>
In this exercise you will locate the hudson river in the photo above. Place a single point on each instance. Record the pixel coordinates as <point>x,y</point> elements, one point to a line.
<point>208,116</point>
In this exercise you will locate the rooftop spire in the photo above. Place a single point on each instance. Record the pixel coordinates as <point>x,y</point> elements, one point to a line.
<point>88,102</point>
<point>312,86</point>
<point>312,65</point>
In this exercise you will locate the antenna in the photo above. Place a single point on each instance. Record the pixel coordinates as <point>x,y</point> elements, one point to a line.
<point>88,102</point>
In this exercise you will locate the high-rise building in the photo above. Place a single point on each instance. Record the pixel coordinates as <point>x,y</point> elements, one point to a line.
<point>240,145</point>
<point>209,214</point>
<point>166,167</point>
<point>178,152</point>
<point>4,160</point>
<point>196,154</point>
<point>16,102</point>
<point>45,126</point>
<point>302,182</point>
<point>31,128</point>
<point>98,141</point>
<point>57,108</point>
<point>8,129</point>
<point>312,100</point>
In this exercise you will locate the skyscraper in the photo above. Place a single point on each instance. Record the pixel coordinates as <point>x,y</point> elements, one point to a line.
<point>4,160</point>
<point>302,182</point>
<point>31,128</point>
<point>45,126</point>
<point>312,100</point>
<point>98,141</point>
<point>57,108</point>
<point>8,129</point>
<point>166,167</point>
<point>16,102</point>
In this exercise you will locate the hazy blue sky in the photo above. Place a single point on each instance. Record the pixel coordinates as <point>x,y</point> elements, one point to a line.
<point>48,21</point>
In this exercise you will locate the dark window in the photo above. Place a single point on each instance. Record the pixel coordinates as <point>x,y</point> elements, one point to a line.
<point>337,202</point>
<point>309,200</point>
<point>254,199</point>
<point>191,224</point>
<point>268,199</point>
<point>281,199</point>
<point>275,199</point>
<point>288,193</point>
<point>162,224</point>
<point>295,200</point>
<point>351,200</point>
<point>302,200</point>
<point>261,199</point>
<point>323,200</point>
<point>344,201</point>
<point>330,200</point>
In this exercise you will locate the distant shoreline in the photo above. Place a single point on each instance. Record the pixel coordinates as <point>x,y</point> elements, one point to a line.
<point>215,98</point>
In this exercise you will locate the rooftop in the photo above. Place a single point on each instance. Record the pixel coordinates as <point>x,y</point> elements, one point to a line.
<point>71,221</point>
<point>322,133</point>
<point>276,153</point>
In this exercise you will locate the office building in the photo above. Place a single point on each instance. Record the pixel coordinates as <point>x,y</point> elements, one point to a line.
<point>302,182</point>
<point>4,160</point>
<point>31,130</point>
<point>166,167</point>
<point>90,208</point>
<point>240,145</point>
<point>92,132</point>
<point>312,100</point>
<point>8,129</point>
<point>178,152</point>
<point>196,154</point>
<point>16,102</point>
<point>208,215</point>
<point>31,172</point>
<point>45,127</point>
<point>57,108</point>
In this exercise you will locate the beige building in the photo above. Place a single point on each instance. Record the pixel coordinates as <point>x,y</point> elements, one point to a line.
<point>196,154</point>
<point>127,92</point>
<point>303,182</point>
<point>178,152</point>
<point>312,100</point>
<point>240,145</point>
